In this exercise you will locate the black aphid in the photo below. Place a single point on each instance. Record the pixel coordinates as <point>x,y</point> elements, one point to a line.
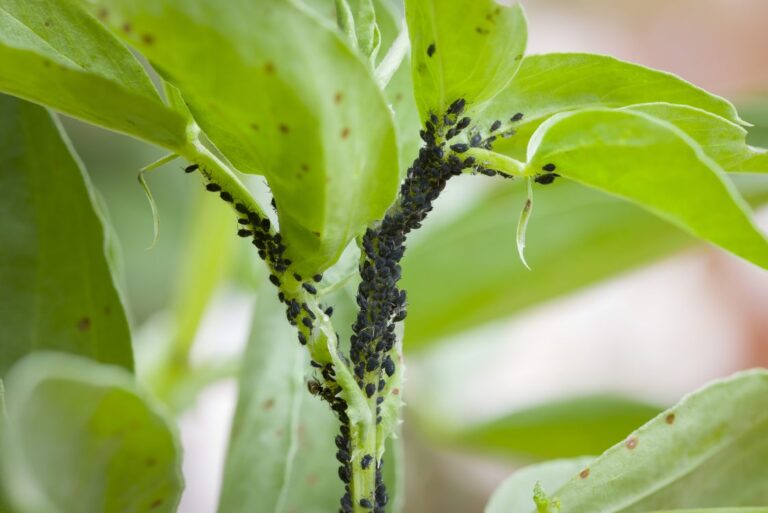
<point>546,179</point>
<point>241,208</point>
<point>496,125</point>
<point>309,288</point>
<point>549,168</point>
<point>370,389</point>
<point>459,148</point>
<point>191,168</point>
<point>226,196</point>
<point>431,50</point>
<point>365,461</point>
<point>213,187</point>
<point>317,278</point>
<point>328,311</point>
<point>365,503</point>
<point>306,321</point>
<point>517,117</point>
<point>275,280</point>
<point>244,233</point>
<point>389,366</point>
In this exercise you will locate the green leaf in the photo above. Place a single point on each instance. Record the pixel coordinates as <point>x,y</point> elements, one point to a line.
<point>654,164</point>
<point>81,437</point>
<point>58,290</point>
<point>560,429</point>
<point>552,83</point>
<point>368,34</point>
<point>463,49</point>
<point>716,510</point>
<point>723,141</point>
<point>515,494</point>
<point>714,442</point>
<point>281,450</point>
<point>56,54</point>
<point>280,94</point>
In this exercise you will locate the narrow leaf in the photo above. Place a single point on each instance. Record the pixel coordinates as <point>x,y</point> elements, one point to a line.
<point>81,437</point>
<point>57,286</point>
<point>653,164</point>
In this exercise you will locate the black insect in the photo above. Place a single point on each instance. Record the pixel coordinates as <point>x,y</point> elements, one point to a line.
<point>496,125</point>
<point>213,187</point>
<point>463,123</point>
<point>317,278</point>
<point>191,168</point>
<point>431,50</point>
<point>365,461</point>
<point>306,321</point>
<point>226,196</point>
<point>244,233</point>
<point>314,387</point>
<point>549,168</point>
<point>344,474</point>
<point>309,288</point>
<point>370,389</point>
<point>517,117</point>
<point>329,311</point>
<point>342,456</point>
<point>275,280</point>
<point>389,366</point>
<point>546,179</point>
<point>476,140</point>
<point>459,148</point>
<point>265,224</point>
<point>243,221</point>
<point>241,208</point>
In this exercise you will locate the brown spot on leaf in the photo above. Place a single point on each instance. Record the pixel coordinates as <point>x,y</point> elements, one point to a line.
<point>316,234</point>
<point>103,13</point>
<point>148,39</point>
<point>255,127</point>
<point>398,97</point>
<point>312,479</point>
<point>345,133</point>
<point>155,503</point>
<point>670,419</point>
<point>150,462</point>
<point>47,23</point>
<point>107,311</point>
<point>631,443</point>
<point>395,391</point>
<point>84,324</point>
<point>283,128</point>
<point>338,97</point>
<point>268,404</point>
<point>304,167</point>
<point>269,68</point>
<point>47,63</point>
<point>279,433</point>
<point>127,27</point>
<point>584,473</point>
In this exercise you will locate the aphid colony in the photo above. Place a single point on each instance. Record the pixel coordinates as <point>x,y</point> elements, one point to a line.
<point>381,303</point>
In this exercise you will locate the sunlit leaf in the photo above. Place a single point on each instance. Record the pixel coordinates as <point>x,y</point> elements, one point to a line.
<point>57,286</point>
<point>281,94</point>
<point>56,54</point>
<point>557,82</point>
<point>80,437</point>
<point>723,141</point>
<point>461,49</point>
<point>653,164</point>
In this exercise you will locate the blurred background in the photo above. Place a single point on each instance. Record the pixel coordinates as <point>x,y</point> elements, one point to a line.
<point>619,317</point>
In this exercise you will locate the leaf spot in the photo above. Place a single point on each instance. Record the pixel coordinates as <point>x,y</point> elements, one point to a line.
<point>47,23</point>
<point>255,127</point>
<point>345,133</point>
<point>631,443</point>
<point>269,68</point>
<point>670,419</point>
<point>395,391</point>
<point>156,503</point>
<point>103,13</point>
<point>305,168</point>
<point>584,473</point>
<point>268,404</point>
<point>84,324</point>
<point>338,97</point>
<point>148,39</point>
<point>151,462</point>
<point>127,27</point>
<point>283,128</point>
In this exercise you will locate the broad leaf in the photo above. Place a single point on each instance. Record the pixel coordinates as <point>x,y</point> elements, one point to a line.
<point>561,429</point>
<point>714,442</point>
<point>653,164</point>
<point>80,437</point>
<point>57,288</point>
<point>280,94</point>
<point>461,49</point>
<point>723,141</point>
<point>552,83</point>
<point>515,494</point>
<point>56,54</point>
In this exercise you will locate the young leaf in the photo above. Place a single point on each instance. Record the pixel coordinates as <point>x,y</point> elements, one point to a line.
<point>463,49</point>
<point>281,451</point>
<point>515,494</point>
<point>654,164</point>
<point>713,442</point>
<point>723,141</point>
<point>57,285</point>
<point>79,436</point>
<point>56,54</point>
<point>279,93</point>
<point>552,83</point>
<point>559,429</point>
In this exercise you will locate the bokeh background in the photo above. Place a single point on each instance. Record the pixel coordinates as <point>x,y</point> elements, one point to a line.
<point>621,314</point>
